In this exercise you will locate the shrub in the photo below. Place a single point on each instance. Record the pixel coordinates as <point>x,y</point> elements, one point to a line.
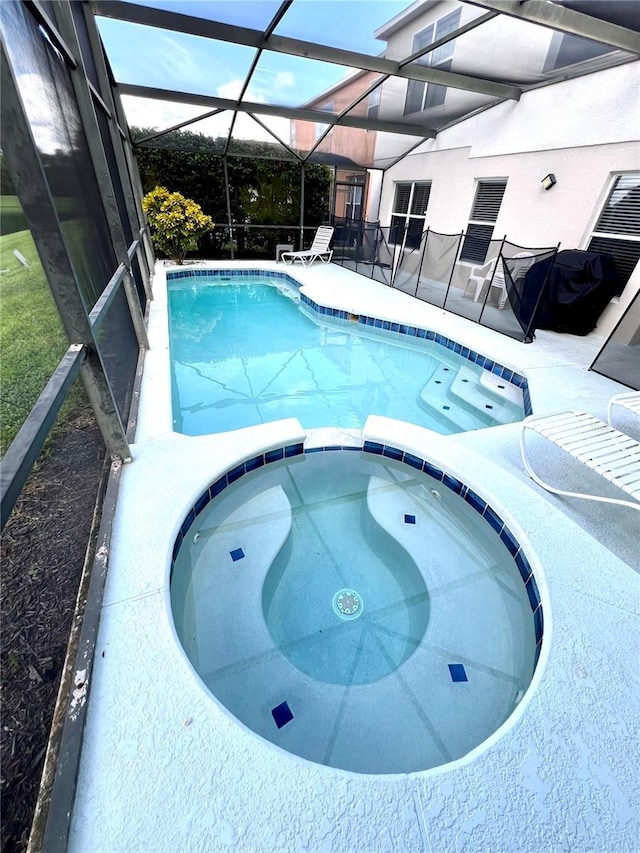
<point>176,222</point>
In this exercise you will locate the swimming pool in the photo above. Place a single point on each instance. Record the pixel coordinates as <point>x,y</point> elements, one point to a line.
<point>359,608</point>
<point>247,350</point>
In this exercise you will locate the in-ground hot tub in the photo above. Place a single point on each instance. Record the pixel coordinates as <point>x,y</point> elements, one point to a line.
<point>357,607</point>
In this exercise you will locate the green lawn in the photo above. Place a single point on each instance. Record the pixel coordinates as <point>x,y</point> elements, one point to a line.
<point>32,340</point>
<point>11,215</point>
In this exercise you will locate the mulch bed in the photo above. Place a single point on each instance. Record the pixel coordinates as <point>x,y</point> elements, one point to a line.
<point>42,548</point>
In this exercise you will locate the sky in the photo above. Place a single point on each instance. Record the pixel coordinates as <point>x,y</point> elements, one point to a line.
<point>170,60</point>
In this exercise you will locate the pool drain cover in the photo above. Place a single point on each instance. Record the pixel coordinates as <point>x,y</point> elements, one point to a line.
<point>347,604</point>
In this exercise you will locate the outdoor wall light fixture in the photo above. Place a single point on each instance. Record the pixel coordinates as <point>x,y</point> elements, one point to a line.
<point>548,181</point>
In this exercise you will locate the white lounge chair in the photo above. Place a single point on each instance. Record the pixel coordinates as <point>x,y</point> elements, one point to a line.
<point>603,449</point>
<point>629,400</point>
<point>319,249</point>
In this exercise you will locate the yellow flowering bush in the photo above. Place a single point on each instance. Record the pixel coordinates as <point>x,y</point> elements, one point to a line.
<point>176,222</point>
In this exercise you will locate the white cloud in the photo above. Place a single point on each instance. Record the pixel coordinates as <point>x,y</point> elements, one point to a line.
<point>284,79</point>
<point>270,87</point>
<point>246,128</point>
<point>230,90</point>
<point>146,112</point>
<point>233,89</point>
<point>173,61</point>
<point>143,112</point>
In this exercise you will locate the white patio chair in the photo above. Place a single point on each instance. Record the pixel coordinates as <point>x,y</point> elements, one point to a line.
<point>498,282</point>
<point>523,260</point>
<point>319,249</point>
<point>603,449</point>
<point>479,276</point>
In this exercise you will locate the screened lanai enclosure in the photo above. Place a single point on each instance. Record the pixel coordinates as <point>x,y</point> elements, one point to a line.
<point>277,118</point>
<point>275,123</point>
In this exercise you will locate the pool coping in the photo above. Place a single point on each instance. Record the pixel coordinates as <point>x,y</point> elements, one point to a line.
<point>295,803</point>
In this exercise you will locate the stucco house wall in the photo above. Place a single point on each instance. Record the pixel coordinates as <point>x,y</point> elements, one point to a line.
<point>583,130</point>
<point>351,142</point>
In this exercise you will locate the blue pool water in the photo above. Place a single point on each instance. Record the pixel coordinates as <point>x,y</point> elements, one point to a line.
<point>245,354</point>
<point>356,611</point>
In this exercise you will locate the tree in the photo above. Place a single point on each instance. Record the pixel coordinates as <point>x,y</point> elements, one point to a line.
<point>263,190</point>
<point>176,222</point>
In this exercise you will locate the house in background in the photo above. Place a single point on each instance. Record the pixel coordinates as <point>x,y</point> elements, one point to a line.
<point>484,175</point>
<point>347,150</point>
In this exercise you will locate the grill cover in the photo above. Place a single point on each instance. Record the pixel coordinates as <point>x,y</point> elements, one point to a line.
<point>579,287</point>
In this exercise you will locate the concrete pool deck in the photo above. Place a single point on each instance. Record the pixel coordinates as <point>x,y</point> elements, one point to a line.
<point>165,768</point>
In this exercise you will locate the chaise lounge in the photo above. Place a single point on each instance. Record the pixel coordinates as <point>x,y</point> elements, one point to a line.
<point>319,249</point>
<point>598,445</point>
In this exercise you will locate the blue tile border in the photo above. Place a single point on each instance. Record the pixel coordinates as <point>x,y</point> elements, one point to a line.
<point>533,593</point>
<point>453,484</point>
<point>494,519</point>
<point>207,272</point>
<point>538,623</point>
<point>186,524</point>
<point>523,566</point>
<point>509,540</point>
<point>475,500</point>
<point>378,449</point>
<point>202,501</point>
<point>274,455</point>
<point>322,309</point>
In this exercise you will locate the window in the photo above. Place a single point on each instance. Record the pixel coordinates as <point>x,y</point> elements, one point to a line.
<point>409,211</point>
<point>617,231</point>
<point>566,49</point>
<point>420,95</point>
<point>484,212</point>
<point>353,202</point>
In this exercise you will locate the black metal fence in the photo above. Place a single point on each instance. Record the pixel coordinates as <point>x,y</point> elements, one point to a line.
<point>366,248</point>
<point>502,294</point>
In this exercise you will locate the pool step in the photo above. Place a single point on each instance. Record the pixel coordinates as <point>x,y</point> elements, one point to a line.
<point>390,505</point>
<point>502,389</point>
<point>418,517</point>
<point>451,393</point>
<point>435,398</point>
<point>231,558</point>
<point>480,396</point>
